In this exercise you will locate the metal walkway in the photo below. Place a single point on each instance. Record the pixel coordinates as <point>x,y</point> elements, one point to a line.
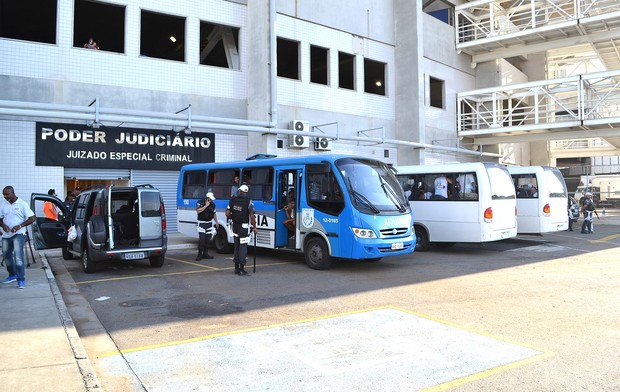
<point>569,108</point>
<point>489,30</point>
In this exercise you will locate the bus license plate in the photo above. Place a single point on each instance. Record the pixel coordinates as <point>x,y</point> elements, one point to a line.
<point>134,256</point>
<point>397,245</point>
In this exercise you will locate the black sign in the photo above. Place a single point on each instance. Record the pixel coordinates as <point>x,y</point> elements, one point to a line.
<point>71,145</point>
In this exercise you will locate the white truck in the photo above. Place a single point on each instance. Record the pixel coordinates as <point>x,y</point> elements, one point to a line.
<point>605,189</point>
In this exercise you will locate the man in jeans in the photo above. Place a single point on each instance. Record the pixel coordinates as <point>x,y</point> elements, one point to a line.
<point>15,215</point>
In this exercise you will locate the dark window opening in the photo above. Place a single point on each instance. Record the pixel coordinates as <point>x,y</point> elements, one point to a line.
<point>436,93</point>
<point>319,65</point>
<point>219,45</point>
<point>28,20</point>
<point>288,59</point>
<point>438,10</point>
<point>374,77</point>
<point>104,23</point>
<point>323,191</point>
<point>162,36</point>
<point>194,184</point>
<point>260,182</point>
<point>346,71</point>
<point>220,182</point>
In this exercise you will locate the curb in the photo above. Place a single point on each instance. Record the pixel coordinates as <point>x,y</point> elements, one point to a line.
<point>91,382</point>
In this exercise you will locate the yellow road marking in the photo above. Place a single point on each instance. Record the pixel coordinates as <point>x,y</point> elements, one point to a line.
<point>192,263</point>
<point>605,239</point>
<point>487,373</point>
<point>171,274</point>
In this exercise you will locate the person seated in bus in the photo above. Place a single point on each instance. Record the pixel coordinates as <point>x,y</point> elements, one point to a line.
<point>234,189</point>
<point>441,188</point>
<point>534,192</point>
<point>407,189</point>
<point>454,190</point>
<point>289,222</point>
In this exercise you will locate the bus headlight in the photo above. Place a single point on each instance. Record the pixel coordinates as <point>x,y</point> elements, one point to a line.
<point>363,233</point>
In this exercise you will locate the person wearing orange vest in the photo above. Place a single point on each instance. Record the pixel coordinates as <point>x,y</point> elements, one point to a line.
<point>49,208</point>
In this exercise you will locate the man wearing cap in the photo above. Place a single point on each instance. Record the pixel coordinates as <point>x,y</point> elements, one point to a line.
<point>241,211</point>
<point>588,209</point>
<point>205,209</point>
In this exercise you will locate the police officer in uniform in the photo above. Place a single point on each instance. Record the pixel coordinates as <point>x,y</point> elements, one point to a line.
<point>241,211</point>
<point>588,209</point>
<point>206,213</point>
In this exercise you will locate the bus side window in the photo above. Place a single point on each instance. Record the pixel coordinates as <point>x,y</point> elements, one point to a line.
<point>194,184</point>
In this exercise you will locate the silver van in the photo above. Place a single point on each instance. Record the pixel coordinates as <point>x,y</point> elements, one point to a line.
<point>110,223</point>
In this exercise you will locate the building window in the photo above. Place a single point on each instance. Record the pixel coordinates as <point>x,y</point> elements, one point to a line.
<point>28,20</point>
<point>104,23</point>
<point>319,65</point>
<point>162,36</point>
<point>219,45</point>
<point>440,9</point>
<point>374,77</point>
<point>346,71</point>
<point>436,92</point>
<point>288,58</point>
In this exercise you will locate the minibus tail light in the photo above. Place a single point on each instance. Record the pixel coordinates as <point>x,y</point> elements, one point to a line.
<point>547,210</point>
<point>488,215</point>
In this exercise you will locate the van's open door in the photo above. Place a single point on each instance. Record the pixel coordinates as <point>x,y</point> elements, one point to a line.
<point>48,233</point>
<point>150,216</point>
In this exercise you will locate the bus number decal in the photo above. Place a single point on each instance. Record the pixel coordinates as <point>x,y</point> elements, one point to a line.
<point>330,220</point>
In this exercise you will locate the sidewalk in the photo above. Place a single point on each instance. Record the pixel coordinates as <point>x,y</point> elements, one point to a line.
<point>41,350</point>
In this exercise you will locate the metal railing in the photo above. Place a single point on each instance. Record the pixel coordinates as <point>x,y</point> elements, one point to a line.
<point>489,20</point>
<point>586,100</point>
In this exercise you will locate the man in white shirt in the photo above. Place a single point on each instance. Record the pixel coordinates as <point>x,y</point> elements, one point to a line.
<point>15,215</point>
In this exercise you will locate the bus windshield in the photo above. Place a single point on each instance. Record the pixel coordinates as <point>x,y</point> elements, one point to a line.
<point>372,185</point>
<point>501,183</point>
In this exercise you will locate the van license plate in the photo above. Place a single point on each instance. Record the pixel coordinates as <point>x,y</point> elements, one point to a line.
<point>397,245</point>
<point>135,256</point>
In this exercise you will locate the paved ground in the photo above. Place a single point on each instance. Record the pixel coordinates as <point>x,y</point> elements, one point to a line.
<point>534,313</point>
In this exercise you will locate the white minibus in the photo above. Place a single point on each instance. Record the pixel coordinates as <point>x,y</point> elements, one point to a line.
<point>460,202</point>
<point>542,199</point>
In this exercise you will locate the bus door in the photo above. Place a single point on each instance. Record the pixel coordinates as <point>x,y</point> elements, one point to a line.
<point>287,196</point>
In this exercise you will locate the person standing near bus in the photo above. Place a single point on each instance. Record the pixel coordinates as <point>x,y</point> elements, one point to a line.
<point>205,209</point>
<point>241,210</point>
<point>588,209</point>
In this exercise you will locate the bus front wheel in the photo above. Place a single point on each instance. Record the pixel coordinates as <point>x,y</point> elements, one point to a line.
<point>421,239</point>
<point>317,254</point>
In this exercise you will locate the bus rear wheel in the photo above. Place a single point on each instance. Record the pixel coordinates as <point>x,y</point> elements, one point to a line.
<point>421,239</point>
<point>317,254</point>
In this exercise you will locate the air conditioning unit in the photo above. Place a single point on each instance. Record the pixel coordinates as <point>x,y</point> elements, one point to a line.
<point>300,125</point>
<point>323,144</point>
<point>299,141</point>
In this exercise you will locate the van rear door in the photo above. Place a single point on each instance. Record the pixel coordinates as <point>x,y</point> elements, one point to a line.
<point>150,218</point>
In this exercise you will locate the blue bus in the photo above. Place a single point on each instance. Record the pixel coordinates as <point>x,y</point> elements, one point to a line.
<point>345,206</point>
